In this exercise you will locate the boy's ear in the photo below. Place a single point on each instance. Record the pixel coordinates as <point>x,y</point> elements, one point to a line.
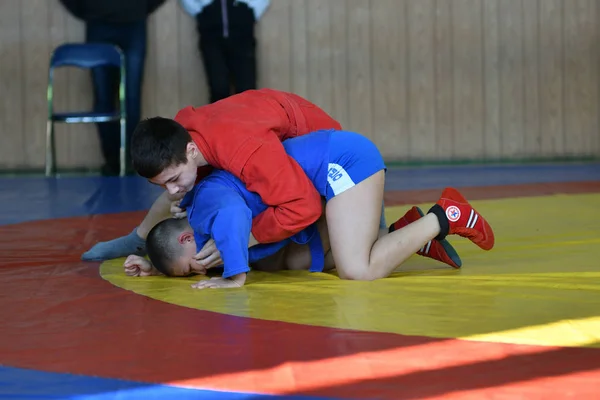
<point>192,150</point>
<point>185,237</point>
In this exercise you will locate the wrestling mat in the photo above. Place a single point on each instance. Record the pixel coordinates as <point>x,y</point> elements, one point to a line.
<point>520,321</point>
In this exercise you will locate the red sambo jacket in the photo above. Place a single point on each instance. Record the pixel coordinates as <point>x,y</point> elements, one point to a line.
<point>242,134</point>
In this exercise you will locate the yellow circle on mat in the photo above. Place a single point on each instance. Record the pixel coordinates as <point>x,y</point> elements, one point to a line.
<point>539,285</point>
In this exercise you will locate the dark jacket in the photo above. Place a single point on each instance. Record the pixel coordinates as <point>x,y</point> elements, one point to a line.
<point>112,11</point>
<point>226,18</point>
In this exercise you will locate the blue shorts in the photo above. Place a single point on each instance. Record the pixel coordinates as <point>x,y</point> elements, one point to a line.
<point>352,159</point>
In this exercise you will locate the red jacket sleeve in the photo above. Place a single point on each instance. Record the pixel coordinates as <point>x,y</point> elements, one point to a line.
<point>293,200</point>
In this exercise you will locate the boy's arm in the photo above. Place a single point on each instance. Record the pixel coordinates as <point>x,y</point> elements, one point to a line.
<point>293,200</point>
<point>230,231</point>
<point>225,215</point>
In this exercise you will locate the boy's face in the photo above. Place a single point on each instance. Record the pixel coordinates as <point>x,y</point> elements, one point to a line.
<point>181,178</point>
<point>185,264</point>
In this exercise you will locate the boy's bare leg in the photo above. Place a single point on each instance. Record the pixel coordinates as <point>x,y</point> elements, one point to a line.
<point>360,252</point>
<point>135,242</point>
<point>297,256</point>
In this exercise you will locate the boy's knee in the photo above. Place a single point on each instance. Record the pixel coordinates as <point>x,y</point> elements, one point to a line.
<point>356,272</point>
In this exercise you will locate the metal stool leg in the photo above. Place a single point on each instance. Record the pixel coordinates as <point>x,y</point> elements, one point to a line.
<point>50,149</point>
<point>123,149</point>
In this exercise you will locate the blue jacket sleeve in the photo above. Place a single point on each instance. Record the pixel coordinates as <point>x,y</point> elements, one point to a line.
<point>222,214</point>
<point>231,233</point>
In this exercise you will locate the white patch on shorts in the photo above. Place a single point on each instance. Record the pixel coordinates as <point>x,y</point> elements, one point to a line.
<point>338,179</point>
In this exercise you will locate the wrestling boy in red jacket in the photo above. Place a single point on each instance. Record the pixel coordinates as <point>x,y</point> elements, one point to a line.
<point>241,134</point>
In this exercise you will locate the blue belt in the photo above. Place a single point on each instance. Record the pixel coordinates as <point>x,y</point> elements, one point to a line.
<point>317,253</point>
<point>312,237</point>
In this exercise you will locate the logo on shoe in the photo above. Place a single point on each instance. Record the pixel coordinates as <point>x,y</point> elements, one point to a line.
<point>453,213</point>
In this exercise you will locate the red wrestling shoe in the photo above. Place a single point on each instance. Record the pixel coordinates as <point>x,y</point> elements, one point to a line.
<point>440,250</point>
<point>462,219</point>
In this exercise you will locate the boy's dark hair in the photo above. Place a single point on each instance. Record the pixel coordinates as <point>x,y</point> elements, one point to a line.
<point>156,144</point>
<point>162,244</point>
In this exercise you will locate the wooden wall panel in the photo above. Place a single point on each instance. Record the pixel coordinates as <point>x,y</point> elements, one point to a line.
<point>420,18</point>
<point>425,79</point>
<point>192,81</point>
<point>34,53</point>
<point>319,50</point>
<point>444,80</point>
<point>339,59</point>
<point>512,93</point>
<point>275,48</point>
<point>492,129</point>
<point>581,76</point>
<point>531,78</point>
<point>359,67</point>
<point>468,79</point>
<point>551,77</point>
<point>299,45</point>
<point>168,70</point>
<point>389,82</point>
<point>12,106</point>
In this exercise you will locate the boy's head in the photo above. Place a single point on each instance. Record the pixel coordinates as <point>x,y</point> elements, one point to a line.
<point>163,152</point>
<point>171,248</point>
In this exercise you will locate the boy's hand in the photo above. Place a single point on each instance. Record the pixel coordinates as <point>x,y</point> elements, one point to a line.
<point>209,256</point>
<point>177,211</point>
<point>139,266</point>
<point>236,281</point>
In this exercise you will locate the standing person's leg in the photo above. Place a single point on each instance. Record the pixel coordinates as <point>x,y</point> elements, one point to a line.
<point>134,47</point>
<point>215,66</point>
<point>242,57</point>
<point>105,82</point>
<point>242,53</point>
